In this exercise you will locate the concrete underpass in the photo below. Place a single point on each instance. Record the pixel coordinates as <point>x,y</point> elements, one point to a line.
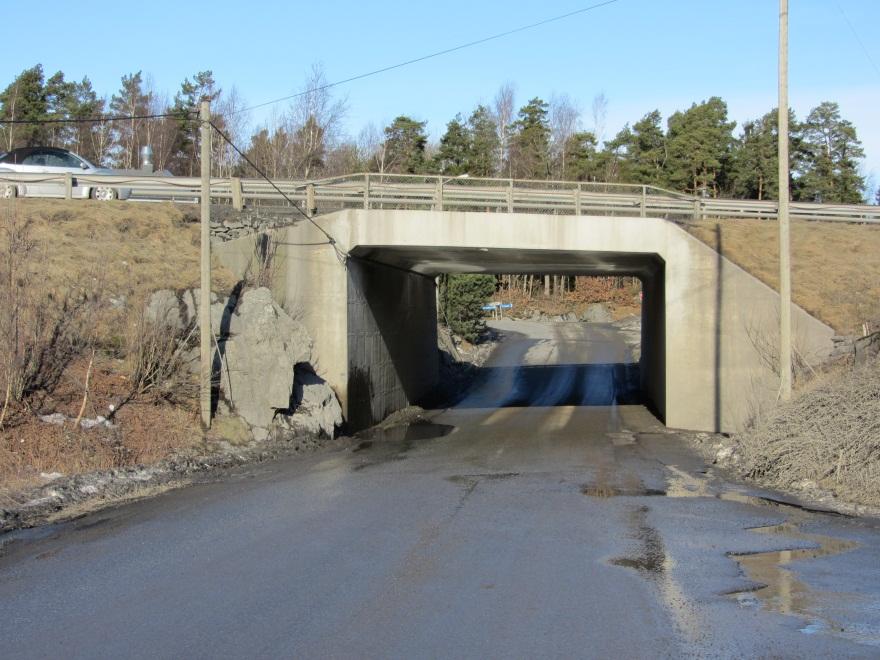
<point>707,324</point>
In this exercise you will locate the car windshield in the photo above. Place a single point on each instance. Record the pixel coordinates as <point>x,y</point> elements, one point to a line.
<point>88,163</point>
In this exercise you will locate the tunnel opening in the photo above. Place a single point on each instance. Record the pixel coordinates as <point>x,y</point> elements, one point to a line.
<point>394,360</point>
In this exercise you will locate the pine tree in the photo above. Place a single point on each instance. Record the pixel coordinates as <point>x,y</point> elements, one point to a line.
<point>130,101</point>
<point>484,142</point>
<point>24,99</point>
<point>828,171</point>
<point>454,155</point>
<point>755,160</point>
<point>699,142</point>
<point>530,142</point>
<point>647,151</point>
<point>581,159</point>
<point>404,146</point>
<point>186,104</point>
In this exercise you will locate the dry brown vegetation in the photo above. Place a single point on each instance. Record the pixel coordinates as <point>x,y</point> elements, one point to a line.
<point>75,277</point>
<point>829,435</point>
<point>619,294</point>
<point>835,266</point>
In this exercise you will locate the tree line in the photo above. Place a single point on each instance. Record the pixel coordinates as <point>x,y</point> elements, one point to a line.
<point>696,150</point>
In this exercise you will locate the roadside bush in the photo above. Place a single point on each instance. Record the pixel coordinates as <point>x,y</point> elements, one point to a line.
<point>829,435</point>
<point>41,331</point>
<point>461,300</point>
<point>157,362</point>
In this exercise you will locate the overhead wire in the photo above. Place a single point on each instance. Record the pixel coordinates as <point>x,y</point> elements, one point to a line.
<point>858,39</point>
<point>429,56</point>
<point>340,254</point>
<point>97,120</point>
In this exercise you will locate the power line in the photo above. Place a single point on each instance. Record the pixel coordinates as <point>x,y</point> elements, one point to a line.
<point>330,240</point>
<point>446,51</point>
<point>98,120</point>
<point>858,38</point>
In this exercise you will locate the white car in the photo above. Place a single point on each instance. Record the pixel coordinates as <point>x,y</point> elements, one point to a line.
<point>50,160</point>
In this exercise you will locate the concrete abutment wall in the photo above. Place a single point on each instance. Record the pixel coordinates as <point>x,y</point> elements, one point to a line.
<point>707,324</point>
<point>392,340</point>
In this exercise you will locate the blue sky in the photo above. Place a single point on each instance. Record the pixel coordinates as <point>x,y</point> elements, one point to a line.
<point>642,54</point>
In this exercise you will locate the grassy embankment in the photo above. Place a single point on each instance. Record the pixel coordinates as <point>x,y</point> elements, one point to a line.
<point>835,266</point>
<point>828,436</point>
<point>75,276</point>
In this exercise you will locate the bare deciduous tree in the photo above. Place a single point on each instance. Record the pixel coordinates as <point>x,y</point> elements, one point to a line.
<point>314,123</point>
<point>564,118</point>
<point>600,114</point>
<point>229,109</point>
<point>504,109</point>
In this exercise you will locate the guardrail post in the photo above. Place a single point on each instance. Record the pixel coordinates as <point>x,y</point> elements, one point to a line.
<point>311,205</point>
<point>510,197</point>
<point>68,185</point>
<point>438,195</point>
<point>237,198</point>
<point>367,192</point>
<point>577,200</point>
<point>644,205</point>
<point>698,211</point>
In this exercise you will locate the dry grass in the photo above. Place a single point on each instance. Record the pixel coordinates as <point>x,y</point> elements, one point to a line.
<point>829,435</point>
<point>113,255</point>
<point>132,249</point>
<point>143,433</point>
<point>835,266</point>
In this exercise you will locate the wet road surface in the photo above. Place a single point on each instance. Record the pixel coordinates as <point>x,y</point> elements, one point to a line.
<point>548,514</point>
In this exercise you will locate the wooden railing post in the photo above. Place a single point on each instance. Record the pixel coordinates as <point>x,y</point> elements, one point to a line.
<point>237,197</point>
<point>311,204</point>
<point>510,197</point>
<point>367,191</point>
<point>68,185</point>
<point>644,205</point>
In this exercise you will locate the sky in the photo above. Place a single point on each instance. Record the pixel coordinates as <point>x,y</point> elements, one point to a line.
<point>641,54</point>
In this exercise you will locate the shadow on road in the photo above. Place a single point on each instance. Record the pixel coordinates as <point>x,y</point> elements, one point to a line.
<point>554,385</point>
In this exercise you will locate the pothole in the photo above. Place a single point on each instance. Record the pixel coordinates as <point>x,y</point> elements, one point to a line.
<point>604,490</point>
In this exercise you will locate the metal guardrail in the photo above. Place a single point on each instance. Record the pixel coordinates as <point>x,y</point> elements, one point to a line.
<point>415,192</point>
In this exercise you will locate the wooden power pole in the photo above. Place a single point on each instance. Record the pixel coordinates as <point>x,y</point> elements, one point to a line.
<point>205,294</point>
<point>784,229</point>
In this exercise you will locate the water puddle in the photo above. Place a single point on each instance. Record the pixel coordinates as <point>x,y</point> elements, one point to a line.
<point>780,590</point>
<point>483,476</point>
<point>777,587</point>
<point>381,445</point>
<point>604,490</point>
<point>611,483</point>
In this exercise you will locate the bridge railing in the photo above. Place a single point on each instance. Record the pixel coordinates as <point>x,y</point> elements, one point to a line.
<point>427,192</point>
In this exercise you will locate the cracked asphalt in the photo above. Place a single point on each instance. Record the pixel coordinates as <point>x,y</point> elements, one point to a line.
<point>547,515</point>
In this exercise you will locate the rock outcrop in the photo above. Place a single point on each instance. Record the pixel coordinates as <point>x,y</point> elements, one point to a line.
<point>264,368</point>
<point>597,313</point>
<point>260,354</point>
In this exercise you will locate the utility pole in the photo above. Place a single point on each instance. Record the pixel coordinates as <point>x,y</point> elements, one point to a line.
<point>784,229</point>
<point>205,294</point>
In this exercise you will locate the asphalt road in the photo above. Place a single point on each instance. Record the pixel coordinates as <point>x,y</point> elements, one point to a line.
<point>548,515</point>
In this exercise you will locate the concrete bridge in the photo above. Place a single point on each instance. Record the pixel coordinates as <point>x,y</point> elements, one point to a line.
<point>369,301</point>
